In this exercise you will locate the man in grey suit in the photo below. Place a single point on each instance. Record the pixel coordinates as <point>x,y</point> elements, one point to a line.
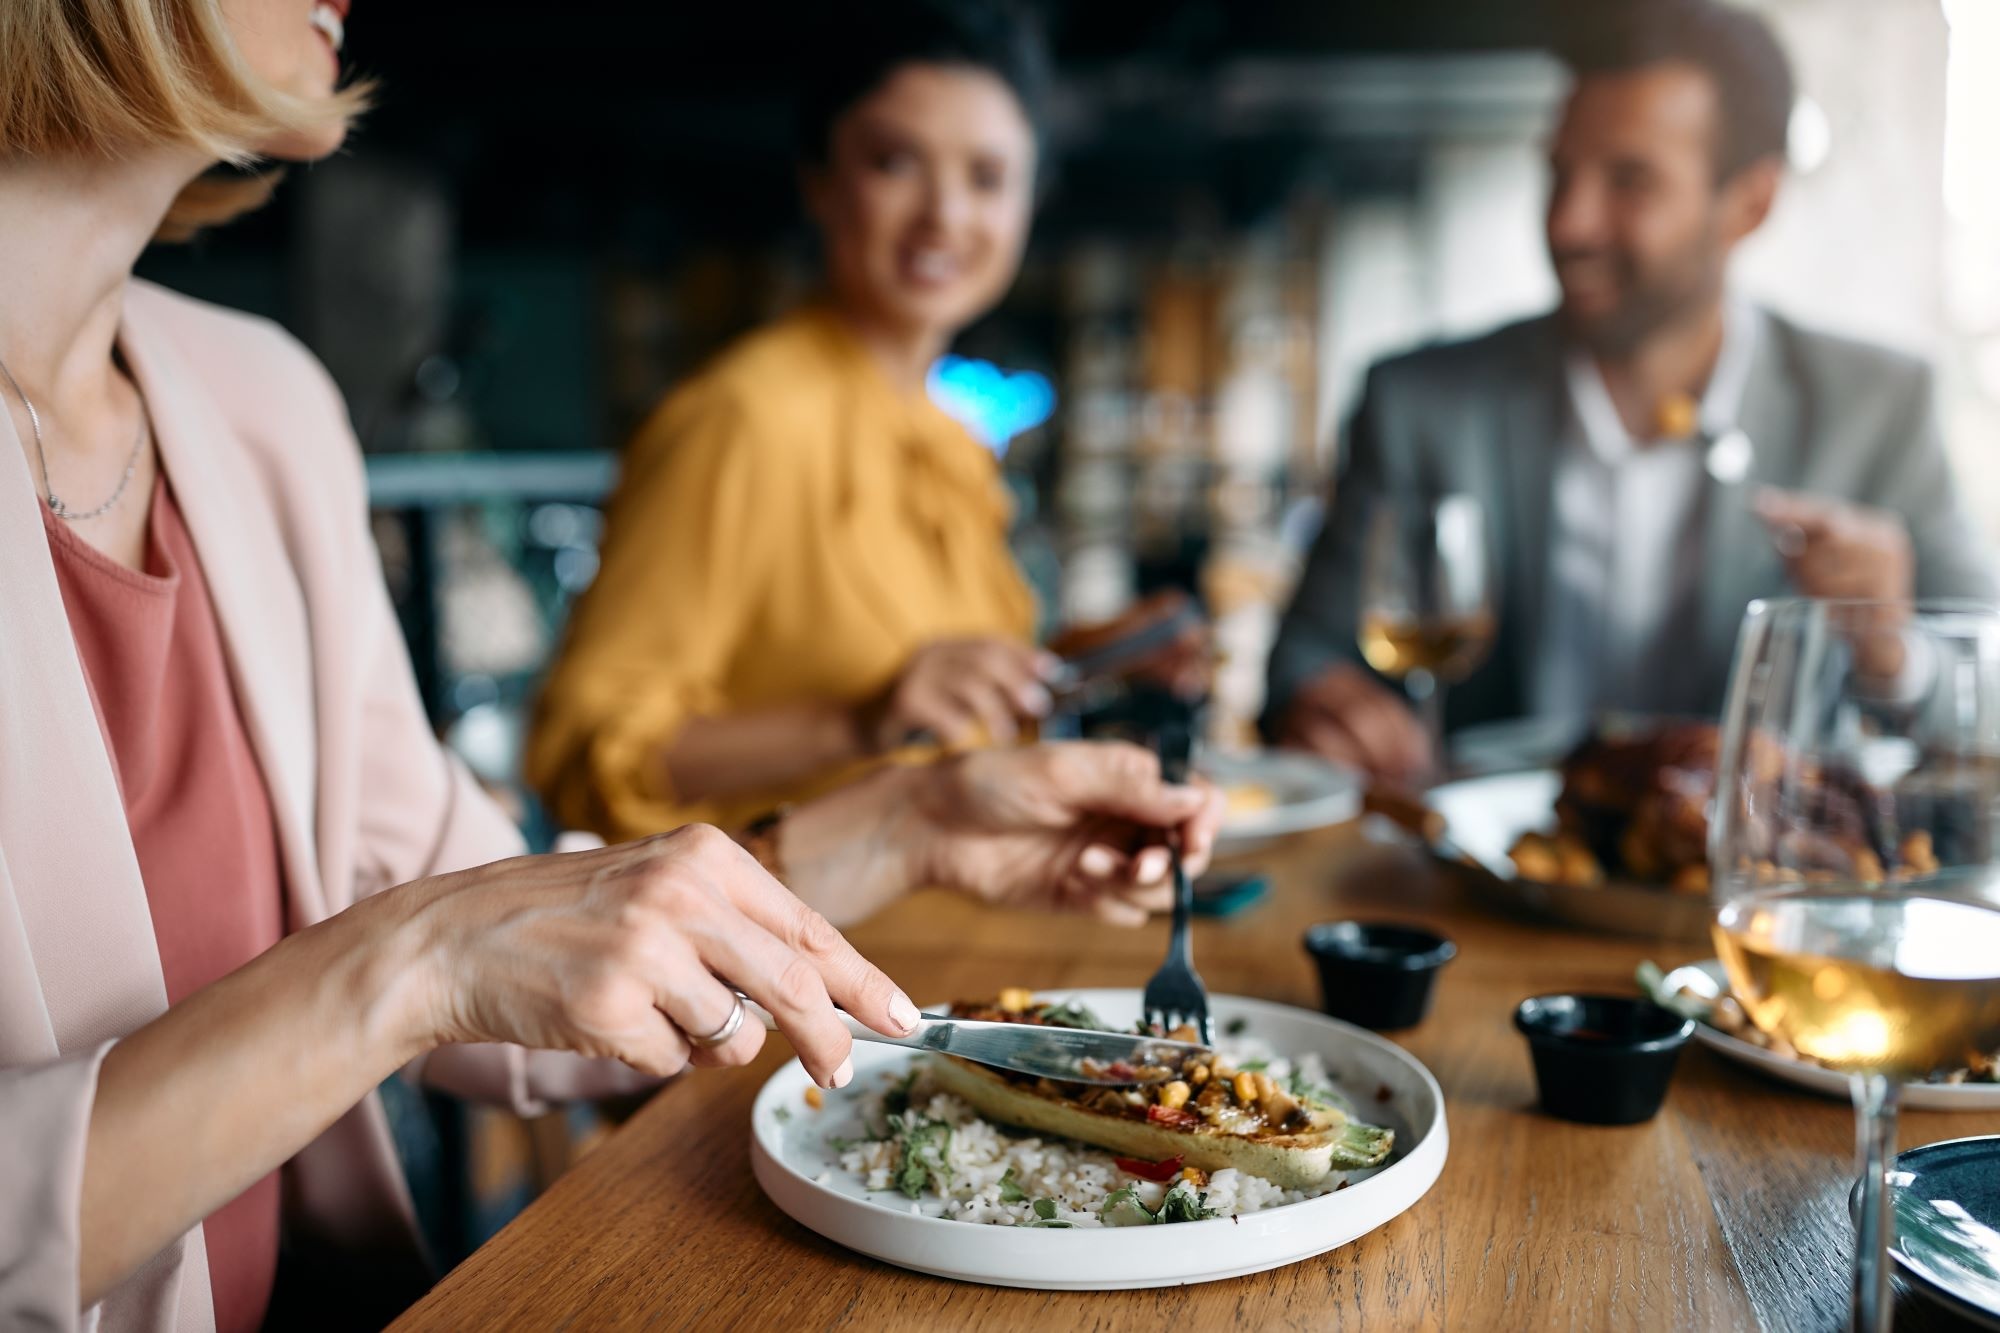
<point>1653,454</point>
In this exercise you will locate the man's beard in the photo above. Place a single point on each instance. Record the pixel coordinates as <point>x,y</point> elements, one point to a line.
<point>1649,303</point>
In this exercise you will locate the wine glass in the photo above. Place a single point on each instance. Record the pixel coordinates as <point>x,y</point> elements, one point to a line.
<point>1855,857</point>
<point>1427,598</point>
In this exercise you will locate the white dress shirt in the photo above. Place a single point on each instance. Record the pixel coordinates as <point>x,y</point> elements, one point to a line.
<point>1625,542</point>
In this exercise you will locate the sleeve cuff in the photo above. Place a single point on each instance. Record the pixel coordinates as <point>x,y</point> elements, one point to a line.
<point>46,1109</point>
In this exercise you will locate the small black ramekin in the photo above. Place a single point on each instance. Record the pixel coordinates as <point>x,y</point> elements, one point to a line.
<point>1602,1059</point>
<point>1377,975</point>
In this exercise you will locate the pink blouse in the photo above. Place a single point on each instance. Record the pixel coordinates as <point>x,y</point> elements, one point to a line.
<point>197,805</point>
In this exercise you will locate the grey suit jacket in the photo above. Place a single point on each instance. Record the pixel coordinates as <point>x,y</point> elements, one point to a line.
<point>1487,417</point>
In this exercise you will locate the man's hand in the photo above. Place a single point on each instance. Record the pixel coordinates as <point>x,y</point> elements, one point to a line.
<point>1346,715</point>
<point>1835,549</point>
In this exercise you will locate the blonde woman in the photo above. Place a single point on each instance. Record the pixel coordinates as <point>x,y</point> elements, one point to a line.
<point>239,883</point>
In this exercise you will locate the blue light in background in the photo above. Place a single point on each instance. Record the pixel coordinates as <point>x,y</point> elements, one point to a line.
<point>994,404</point>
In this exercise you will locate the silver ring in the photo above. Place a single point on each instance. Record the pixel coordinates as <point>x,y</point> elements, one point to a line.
<point>726,1031</point>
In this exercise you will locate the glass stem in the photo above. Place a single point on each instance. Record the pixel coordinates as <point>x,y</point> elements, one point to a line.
<point>1428,690</point>
<point>1875,1125</point>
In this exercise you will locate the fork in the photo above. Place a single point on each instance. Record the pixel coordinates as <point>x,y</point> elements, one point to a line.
<point>1175,995</point>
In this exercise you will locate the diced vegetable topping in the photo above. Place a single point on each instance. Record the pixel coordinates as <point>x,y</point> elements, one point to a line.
<point>1159,1171</point>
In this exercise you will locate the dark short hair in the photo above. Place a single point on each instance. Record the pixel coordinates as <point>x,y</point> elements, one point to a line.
<point>1736,50</point>
<point>872,39</point>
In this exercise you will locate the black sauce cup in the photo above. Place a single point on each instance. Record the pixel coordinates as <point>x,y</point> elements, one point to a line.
<point>1377,975</point>
<point>1602,1059</point>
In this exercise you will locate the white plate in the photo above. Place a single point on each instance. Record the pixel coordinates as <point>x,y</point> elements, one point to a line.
<point>1483,818</point>
<point>790,1155</point>
<point>1307,793</point>
<point>1916,1096</point>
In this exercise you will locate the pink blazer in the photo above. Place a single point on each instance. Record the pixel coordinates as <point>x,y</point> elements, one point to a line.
<point>255,440</point>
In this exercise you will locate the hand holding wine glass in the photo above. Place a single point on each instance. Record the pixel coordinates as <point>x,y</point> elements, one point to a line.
<point>1855,858</point>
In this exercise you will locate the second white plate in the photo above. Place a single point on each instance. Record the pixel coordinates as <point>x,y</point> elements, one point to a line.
<point>1305,793</point>
<point>1818,1078</point>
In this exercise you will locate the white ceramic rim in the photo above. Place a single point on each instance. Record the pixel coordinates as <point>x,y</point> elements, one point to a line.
<point>1240,832</point>
<point>1826,1082</point>
<point>1113,1259</point>
<point>1829,1083</point>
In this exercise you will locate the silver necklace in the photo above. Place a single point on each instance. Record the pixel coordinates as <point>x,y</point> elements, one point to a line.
<point>56,504</point>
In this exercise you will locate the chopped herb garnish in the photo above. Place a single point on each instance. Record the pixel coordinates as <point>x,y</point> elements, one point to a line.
<point>1069,1016</point>
<point>1045,1215</point>
<point>1255,1066</point>
<point>1182,1204</point>
<point>1234,1027</point>
<point>1123,1208</point>
<point>897,1099</point>
<point>924,1144</point>
<point>1010,1188</point>
<point>783,1115</point>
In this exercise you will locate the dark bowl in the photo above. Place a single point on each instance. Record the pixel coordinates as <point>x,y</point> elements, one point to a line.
<point>1602,1059</point>
<point>1376,974</point>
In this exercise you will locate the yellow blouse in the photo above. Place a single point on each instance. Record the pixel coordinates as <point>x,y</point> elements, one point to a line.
<point>788,527</point>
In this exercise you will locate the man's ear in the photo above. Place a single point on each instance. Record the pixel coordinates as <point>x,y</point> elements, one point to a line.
<point>1748,197</point>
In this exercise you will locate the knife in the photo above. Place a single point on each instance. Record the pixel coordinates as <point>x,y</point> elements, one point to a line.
<point>1101,667</point>
<point>1068,1055</point>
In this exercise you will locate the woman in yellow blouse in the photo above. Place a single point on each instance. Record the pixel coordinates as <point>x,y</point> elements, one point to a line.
<point>805,562</point>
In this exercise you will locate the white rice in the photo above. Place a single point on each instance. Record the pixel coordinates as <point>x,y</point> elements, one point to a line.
<point>1077,1178</point>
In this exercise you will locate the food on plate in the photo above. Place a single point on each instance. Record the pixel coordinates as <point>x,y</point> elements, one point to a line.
<point>1211,1113</point>
<point>1247,798</point>
<point>1635,807</point>
<point>1726,1015</point>
<point>1239,1129</point>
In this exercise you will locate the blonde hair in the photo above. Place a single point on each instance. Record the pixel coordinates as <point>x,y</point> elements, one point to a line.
<point>106,77</point>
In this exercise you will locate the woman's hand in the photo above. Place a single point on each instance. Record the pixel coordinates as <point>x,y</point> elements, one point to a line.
<point>1184,666</point>
<point>622,952</point>
<point>1066,827</point>
<point>955,689</point>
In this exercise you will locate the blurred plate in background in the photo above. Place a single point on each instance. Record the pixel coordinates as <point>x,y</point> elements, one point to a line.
<point>1275,793</point>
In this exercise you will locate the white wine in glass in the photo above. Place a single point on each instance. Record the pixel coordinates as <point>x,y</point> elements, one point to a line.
<point>1427,598</point>
<point>1446,647</point>
<point>1855,858</point>
<point>1865,978</point>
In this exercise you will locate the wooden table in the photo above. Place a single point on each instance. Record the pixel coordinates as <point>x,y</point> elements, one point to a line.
<point>1727,1210</point>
